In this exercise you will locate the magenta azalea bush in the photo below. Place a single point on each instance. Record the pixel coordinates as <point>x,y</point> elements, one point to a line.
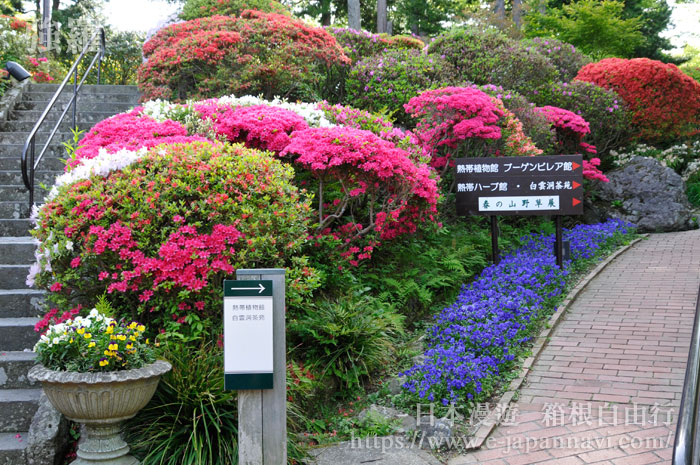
<point>571,129</point>
<point>464,121</point>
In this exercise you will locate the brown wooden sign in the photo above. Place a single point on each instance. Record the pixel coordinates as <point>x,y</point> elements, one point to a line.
<point>545,185</point>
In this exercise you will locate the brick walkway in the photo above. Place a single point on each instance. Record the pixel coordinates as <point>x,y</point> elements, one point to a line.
<point>603,388</point>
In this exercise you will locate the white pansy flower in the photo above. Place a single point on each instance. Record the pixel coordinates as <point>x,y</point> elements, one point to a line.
<point>69,245</point>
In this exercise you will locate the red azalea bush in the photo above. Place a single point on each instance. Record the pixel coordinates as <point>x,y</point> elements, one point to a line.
<point>160,234</point>
<point>464,121</point>
<point>260,126</point>
<point>366,185</point>
<point>665,103</point>
<point>256,53</point>
<point>193,9</point>
<point>129,131</point>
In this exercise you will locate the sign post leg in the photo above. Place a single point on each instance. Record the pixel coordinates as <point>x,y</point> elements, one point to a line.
<point>559,242</point>
<point>494,240</point>
<point>262,414</point>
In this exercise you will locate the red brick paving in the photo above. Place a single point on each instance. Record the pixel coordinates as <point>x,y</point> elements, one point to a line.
<point>613,368</point>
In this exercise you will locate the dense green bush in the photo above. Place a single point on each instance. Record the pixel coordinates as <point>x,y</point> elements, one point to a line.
<point>347,338</point>
<point>564,56</point>
<point>605,112</point>
<point>390,80</point>
<point>193,9</point>
<point>488,57</point>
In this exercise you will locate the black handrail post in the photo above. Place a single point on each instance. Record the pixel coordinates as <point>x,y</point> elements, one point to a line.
<point>75,98</point>
<point>31,171</point>
<point>102,54</point>
<point>30,142</point>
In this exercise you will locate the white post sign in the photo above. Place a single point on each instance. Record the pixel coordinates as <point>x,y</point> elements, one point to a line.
<point>248,334</point>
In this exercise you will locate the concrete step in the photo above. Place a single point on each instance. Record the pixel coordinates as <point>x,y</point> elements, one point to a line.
<point>18,250</point>
<point>17,407</point>
<point>14,367</point>
<point>26,126</point>
<point>94,89</point>
<point>13,277</point>
<point>83,106</point>
<point>14,209</point>
<point>52,161</point>
<point>87,117</point>
<point>56,148</point>
<point>21,303</point>
<point>12,447</point>
<point>113,97</point>
<point>20,138</point>
<point>17,334</point>
<point>10,192</point>
<point>14,177</point>
<point>14,228</point>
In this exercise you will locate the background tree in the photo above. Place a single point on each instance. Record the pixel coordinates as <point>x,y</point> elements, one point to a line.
<point>598,28</point>
<point>10,7</point>
<point>653,17</point>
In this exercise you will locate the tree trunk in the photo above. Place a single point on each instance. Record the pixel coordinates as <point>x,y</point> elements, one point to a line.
<point>354,18</point>
<point>518,13</point>
<point>499,9</point>
<point>325,12</point>
<point>381,17</point>
<point>56,5</point>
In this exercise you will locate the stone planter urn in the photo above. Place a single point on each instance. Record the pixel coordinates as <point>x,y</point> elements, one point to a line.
<point>101,401</point>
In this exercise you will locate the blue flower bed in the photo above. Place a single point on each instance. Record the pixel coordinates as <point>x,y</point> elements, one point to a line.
<point>473,340</point>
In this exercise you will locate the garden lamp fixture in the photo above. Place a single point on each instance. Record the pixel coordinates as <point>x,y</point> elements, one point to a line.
<point>16,71</point>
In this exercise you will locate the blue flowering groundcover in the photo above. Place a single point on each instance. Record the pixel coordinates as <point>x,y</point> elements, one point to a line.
<point>474,342</point>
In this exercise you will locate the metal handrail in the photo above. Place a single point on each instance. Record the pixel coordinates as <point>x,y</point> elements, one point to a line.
<point>30,166</point>
<point>686,449</point>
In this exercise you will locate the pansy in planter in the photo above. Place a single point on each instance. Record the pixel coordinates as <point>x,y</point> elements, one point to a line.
<point>94,343</point>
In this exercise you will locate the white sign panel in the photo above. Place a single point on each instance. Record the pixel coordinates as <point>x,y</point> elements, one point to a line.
<point>519,203</point>
<point>248,335</point>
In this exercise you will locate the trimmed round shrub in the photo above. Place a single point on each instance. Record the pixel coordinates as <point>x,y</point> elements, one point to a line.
<point>488,57</point>
<point>665,102</point>
<point>193,9</point>
<point>405,42</point>
<point>257,53</point>
<point>158,229</point>
<point>605,111</point>
<point>359,44</point>
<point>388,81</point>
<point>563,56</point>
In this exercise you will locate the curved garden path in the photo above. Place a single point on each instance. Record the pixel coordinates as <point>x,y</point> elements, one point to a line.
<point>607,387</point>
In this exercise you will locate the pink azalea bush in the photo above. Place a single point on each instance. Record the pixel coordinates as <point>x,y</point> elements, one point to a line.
<point>157,236</point>
<point>571,129</point>
<point>129,131</point>
<point>260,126</point>
<point>365,184</point>
<point>464,121</point>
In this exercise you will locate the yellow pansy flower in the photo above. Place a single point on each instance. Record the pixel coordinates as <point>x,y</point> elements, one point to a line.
<point>113,347</point>
<point>141,328</point>
<point>109,329</point>
<point>104,362</point>
<point>92,344</point>
<point>80,330</point>
<point>132,338</point>
<point>121,337</point>
<point>87,335</point>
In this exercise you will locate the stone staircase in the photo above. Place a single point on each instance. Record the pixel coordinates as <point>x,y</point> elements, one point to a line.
<point>20,307</point>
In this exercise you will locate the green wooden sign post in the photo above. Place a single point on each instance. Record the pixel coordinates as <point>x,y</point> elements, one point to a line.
<point>255,363</point>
